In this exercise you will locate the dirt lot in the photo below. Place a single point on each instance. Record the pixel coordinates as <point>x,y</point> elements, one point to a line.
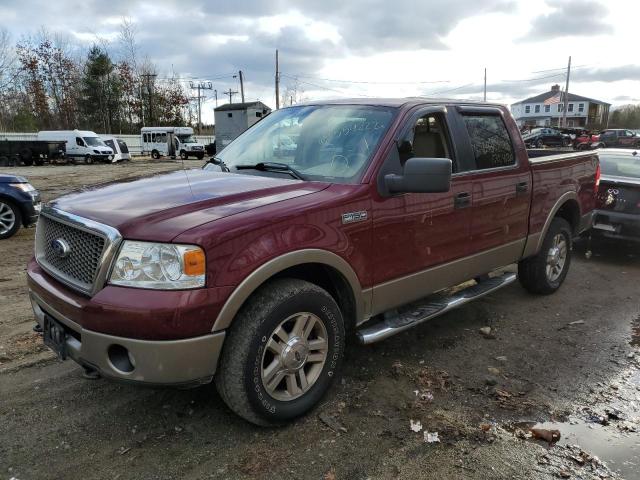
<point>570,361</point>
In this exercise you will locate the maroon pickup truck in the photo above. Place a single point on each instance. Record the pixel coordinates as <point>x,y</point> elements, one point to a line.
<point>322,222</point>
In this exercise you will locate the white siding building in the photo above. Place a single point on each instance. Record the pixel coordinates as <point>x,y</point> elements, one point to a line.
<point>547,109</point>
<point>234,118</point>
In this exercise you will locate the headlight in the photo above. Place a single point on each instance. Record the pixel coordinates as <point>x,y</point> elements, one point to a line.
<point>25,187</point>
<point>162,266</point>
<point>97,151</point>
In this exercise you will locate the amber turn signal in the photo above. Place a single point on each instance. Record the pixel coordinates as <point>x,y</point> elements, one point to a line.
<point>194,262</point>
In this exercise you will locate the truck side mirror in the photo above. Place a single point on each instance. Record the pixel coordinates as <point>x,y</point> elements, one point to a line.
<point>421,175</point>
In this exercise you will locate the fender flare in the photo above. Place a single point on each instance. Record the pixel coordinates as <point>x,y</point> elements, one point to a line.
<point>276,265</point>
<point>534,241</point>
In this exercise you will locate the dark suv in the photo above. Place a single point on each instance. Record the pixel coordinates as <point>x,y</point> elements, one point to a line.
<point>619,137</point>
<point>19,204</point>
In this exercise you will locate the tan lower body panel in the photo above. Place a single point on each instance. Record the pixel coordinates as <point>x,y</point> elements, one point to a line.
<point>407,289</point>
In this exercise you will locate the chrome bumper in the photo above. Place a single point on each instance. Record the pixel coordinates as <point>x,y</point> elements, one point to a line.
<point>158,362</point>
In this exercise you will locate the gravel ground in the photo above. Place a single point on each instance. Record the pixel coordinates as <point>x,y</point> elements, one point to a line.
<point>570,360</point>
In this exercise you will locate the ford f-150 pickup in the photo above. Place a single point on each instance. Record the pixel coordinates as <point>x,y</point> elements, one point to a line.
<point>255,270</point>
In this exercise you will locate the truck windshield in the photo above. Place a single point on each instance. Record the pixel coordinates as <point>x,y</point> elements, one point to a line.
<point>187,139</point>
<point>329,142</point>
<point>94,142</point>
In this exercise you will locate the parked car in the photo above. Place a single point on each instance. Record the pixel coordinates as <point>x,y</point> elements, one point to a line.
<point>618,207</point>
<point>620,138</point>
<point>541,137</point>
<point>19,204</point>
<point>254,270</point>
<point>82,145</point>
<point>119,147</point>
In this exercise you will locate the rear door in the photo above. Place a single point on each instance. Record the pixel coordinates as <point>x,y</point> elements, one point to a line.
<point>501,180</point>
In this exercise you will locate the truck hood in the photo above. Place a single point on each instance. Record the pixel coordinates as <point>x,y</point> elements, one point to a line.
<point>162,206</point>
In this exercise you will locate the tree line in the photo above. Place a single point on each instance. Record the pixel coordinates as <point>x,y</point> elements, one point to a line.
<point>46,84</point>
<point>627,116</point>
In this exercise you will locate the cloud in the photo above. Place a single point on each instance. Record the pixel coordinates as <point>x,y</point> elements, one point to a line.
<point>613,74</point>
<point>570,18</point>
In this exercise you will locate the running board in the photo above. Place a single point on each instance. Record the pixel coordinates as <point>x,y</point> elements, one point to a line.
<point>428,308</point>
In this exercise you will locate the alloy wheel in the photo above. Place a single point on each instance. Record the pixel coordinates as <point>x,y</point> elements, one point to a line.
<point>7,218</point>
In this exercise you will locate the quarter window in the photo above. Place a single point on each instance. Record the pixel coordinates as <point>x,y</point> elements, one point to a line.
<point>490,141</point>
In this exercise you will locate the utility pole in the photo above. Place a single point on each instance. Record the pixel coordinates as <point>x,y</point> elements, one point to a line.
<point>148,77</point>
<point>215,94</point>
<point>241,85</point>
<point>566,95</point>
<point>485,84</point>
<point>277,83</point>
<point>200,86</point>
<point>231,93</point>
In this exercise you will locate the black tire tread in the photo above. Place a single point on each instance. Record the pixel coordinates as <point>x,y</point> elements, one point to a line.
<point>231,376</point>
<point>531,271</point>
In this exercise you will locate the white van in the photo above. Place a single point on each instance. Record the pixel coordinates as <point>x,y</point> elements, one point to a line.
<point>119,147</point>
<point>81,145</point>
<point>156,141</point>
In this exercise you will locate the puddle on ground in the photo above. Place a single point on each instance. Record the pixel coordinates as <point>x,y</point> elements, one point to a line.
<point>617,442</point>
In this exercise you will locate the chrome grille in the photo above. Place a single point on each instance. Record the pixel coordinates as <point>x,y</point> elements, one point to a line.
<point>89,248</point>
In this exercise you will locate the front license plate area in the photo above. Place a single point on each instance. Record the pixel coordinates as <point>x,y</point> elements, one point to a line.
<point>55,337</point>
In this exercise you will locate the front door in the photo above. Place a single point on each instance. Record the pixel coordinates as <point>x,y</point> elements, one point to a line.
<point>416,232</point>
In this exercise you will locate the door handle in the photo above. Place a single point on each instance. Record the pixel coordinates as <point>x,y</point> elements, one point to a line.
<point>522,187</point>
<point>462,200</point>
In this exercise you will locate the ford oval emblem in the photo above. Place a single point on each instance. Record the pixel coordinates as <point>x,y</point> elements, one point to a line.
<point>60,247</point>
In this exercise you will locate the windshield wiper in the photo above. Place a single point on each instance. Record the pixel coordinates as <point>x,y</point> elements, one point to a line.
<point>220,163</point>
<point>273,167</point>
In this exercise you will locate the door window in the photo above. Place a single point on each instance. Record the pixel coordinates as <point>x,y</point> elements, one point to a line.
<point>429,139</point>
<point>490,141</point>
<point>79,142</point>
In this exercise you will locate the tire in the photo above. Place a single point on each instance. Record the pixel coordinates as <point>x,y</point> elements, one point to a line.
<point>539,144</point>
<point>200,156</point>
<point>183,155</point>
<point>155,155</point>
<point>10,219</point>
<point>26,156</point>
<point>545,272</point>
<point>88,160</point>
<point>4,161</point>
<point>39,162</point>
<point>281,305</point>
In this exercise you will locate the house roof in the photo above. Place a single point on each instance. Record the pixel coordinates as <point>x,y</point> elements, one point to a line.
<point>551,93</point>
<point>240,106</point>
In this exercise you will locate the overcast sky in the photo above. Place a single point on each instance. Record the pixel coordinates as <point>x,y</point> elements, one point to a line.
<point>338,48</point>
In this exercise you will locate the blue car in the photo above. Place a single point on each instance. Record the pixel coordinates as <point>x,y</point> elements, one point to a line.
<point>19,204</point>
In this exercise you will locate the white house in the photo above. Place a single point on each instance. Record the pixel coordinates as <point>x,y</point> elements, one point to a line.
<point>547,109</point>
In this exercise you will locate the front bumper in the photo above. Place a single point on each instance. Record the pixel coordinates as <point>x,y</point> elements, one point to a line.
<point>157,362</point>
<point>621,226</point>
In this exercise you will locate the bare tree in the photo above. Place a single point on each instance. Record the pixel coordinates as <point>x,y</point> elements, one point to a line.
<point>7,60</point>
<point>293,94</point>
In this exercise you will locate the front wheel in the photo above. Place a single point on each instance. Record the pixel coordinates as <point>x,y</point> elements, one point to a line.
<point>200,156</point>
<point>183,155</point>
<point>10,219</point>
<point>545,272</point>
<point>88,159</point>
<point>282,353</point>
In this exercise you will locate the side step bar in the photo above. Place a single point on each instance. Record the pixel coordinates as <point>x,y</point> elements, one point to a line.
<point>429,308</point>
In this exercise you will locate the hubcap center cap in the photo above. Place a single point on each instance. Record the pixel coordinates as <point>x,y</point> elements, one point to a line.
<point>294,354</point>
<point>554,256</point>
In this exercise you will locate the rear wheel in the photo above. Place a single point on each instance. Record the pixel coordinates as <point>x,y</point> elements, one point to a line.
<point>4,161</point>
<point>155,154</point>
<point>10,219</point>
<point>545,272</point>
<point>283,352</point>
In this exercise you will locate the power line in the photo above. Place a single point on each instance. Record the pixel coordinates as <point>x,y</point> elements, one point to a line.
<point>370,82</point>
